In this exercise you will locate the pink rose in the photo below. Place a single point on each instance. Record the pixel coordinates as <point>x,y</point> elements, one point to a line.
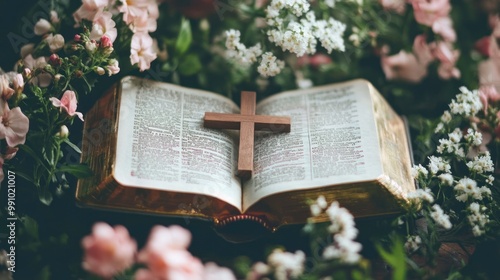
<point>403,66</point>
<point>428,11</point>
<point>108,250</point>
<point>67,103</point>
<point>166,254</point>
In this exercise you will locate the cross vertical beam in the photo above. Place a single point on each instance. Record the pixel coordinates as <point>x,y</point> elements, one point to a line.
<point>247,122</point>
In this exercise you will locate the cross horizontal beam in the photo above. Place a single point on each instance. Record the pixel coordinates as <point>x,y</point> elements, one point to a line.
<point>232,121</point>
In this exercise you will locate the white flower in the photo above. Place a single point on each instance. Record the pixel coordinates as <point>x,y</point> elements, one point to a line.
<point>42,26</point>
<point>418,171</point>
<point>467,103</point>
<point>440,217</point>
<point>490,180</point>
<point>56,42</point>
<point>344,249</point>
<point>238,52</point>
<point>438,164</point>
<point>481,164</point>
<point>446,179</point>
<point>475,138</point>
<point>467,188</point>
<point>477,218</point>
<point>270,65</point>
<point>286,264</point>
<point>413,243</point>
<point>421,195</point>
<point>446,117</point>
<point>456,135</point>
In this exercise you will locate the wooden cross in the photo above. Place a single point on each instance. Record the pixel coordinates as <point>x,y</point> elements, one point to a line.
<point>247,122</point>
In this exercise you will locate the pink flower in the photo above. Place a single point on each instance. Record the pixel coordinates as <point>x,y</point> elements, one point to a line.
<point>403,66</point>
<point>428,11</point>
<point>42,26</point>
<point>483,45</point>
<point>444,52</point>
<point>55,42</point>
<point>5,90</point>
<point>67,103</point>
<point>422,50</point>
<point>444,27</point>
<point>10,153</point>
<point>141,51</point>
<point>113,67</point>
<point>488,93</point>
<point>134,9</point>
<point>108,250</point>
<point>398,6</point>
<point>448,70</point>
<point>314,60</point>
<point>166,254</point>
<point>489,73</point>
<point>214,272</point>
<point>89,9</point>
<point>103,25</point>
<point>13,126</point>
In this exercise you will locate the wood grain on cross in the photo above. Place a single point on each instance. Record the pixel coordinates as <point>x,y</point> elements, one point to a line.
<point>247,122</point>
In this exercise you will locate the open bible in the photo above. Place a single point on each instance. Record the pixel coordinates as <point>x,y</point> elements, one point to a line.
<point>149,151</point>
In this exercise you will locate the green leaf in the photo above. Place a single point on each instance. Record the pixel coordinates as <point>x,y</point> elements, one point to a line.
<point>395,257</point>
<point>185,38</point>
<point>73,146</point>
<point>190,65</point>
<point>77,170</point>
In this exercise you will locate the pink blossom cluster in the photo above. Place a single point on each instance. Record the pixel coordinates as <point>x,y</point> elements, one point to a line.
<point>412,66</point>
<point>139,15</point>
<point>13,123</point>
<point>109,251</point>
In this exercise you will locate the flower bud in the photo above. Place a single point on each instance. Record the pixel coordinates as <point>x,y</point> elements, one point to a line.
<point>55,60</point>
<point>106,42</point>
<point>54,18</point>
<point>63,132</point>
<point>56,42</point>
<point>77,38</point>
<point>42,27</point>
<point>78,74</point>
<point>90,46</point>
<point>57,77</point>
<point>27,73</point>
<point>100,71</point>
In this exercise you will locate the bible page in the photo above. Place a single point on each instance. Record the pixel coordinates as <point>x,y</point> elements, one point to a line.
<point>333,140</point>
<point>163,145</point>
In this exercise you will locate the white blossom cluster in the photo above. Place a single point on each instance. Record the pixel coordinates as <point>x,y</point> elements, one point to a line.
<point>238,51</point>
<point>481,164</point>
<point>473,137</point>
<point>467,104</point>
<point>286,265</point>
<point>270,65</point>
<point>467,188</point>
<point>413,243</point>
<point>419,172</point>
<point>440,217</point>
<point>300,36</point>
<point>437,164</point>
<point>446,179</point>
<point>420,195</point>
<point>477,219</point>
<point>344,248</point>
<point>452,145</point>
